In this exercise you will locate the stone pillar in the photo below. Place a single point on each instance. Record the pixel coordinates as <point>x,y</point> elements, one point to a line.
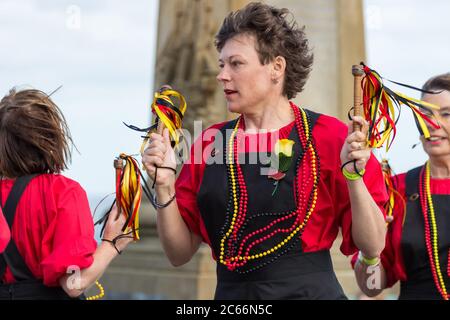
<point>351,49</point>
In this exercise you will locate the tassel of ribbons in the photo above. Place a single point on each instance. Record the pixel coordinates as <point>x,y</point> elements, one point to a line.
<point>130,183</point>
<point>165,114</point>
<point>379,109</point>
<point>394,197</point>
<point>128,192</point>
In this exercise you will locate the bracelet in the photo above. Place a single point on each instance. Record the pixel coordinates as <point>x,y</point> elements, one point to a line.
<point>113,243</point>
<point>368,261</point>
<point>353,176</point>
<point>162,205</point>
<point>168,168</point>
<point>156,173</point>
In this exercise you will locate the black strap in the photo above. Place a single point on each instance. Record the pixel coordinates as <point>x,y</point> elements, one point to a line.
<point>11,256</point>
<point>412,181</point>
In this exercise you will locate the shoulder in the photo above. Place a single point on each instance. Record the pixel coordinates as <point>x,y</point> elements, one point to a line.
<point>410,178</point>
<point>330,127</point>
<point>399,179</point>
<point>329,134</point>
<point>209,134</point>
<point>58,183</point>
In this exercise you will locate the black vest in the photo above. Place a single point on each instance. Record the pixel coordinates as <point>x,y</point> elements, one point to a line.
<point>288,274</point>
<point>420,283</point>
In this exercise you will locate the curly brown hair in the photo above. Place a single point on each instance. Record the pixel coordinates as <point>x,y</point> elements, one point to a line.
<point>276,36</point>
<point>34,136</point>
<point>440,82</point>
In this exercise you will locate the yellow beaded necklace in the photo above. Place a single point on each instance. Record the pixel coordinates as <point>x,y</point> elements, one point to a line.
<point>431,238</point>
<point>231,155</point>
<point>97,296</point>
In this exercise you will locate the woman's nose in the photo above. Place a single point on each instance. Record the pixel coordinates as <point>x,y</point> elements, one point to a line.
<point>223,75</point>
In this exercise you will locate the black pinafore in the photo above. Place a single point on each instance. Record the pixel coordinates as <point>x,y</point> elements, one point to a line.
<point>26,287</point>
<point>290,274</point>
<point>420,284</point>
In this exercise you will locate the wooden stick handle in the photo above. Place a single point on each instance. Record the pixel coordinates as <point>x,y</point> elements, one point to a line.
<point>118,166</point>
<point>358,74</point>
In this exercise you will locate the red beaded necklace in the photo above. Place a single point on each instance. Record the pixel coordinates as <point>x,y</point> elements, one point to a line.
<point>431,232</point>
<point>235,253</point>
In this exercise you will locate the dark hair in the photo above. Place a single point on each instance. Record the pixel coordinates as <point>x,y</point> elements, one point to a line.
<point>276,36</point>
<point>34,137</point>
<point>437,83</point>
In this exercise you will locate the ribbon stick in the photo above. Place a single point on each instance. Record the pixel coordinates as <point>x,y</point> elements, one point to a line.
<point>166,114</point>
<point>130,183</point>
<point>381,107</point>
<point>128,192</point>
<point>394,197</point>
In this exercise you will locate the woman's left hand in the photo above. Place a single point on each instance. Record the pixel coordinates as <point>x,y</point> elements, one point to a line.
<point>355,146</point>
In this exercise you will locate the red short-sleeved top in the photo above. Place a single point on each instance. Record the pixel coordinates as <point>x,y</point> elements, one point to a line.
<point>53,227</point>
<point>332,209</point>
<point>391,256</point>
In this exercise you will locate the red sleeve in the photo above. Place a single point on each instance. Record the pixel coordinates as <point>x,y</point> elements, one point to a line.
<point>373,179</point>
<point>5,234</point>
<point>69,240</point>
<point>186,189</point>
<point>391,257</point>
<point>190,179</point>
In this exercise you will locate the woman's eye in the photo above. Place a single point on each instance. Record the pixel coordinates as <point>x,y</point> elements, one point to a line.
<point>236,63</point>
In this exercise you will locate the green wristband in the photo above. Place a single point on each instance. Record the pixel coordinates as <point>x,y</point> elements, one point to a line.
<point>353,176</point>
<point>367,261</point>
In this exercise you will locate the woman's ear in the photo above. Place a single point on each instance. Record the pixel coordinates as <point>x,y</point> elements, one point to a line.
<point>279,68</point>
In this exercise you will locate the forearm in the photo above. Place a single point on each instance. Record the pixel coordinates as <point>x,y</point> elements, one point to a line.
<point>103,256</point>
<point>177,240</point>
<point>368,225</point>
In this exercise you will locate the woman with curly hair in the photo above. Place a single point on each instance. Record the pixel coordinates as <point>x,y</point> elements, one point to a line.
<point>265,191</point>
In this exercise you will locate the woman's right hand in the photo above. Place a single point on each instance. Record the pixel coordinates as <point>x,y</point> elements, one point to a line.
<point>160,153</point>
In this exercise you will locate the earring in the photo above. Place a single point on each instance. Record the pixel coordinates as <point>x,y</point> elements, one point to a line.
<point>275,81</point>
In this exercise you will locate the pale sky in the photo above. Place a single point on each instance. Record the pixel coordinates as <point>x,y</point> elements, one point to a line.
<point>103,53</point>
<point>407,41</point>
